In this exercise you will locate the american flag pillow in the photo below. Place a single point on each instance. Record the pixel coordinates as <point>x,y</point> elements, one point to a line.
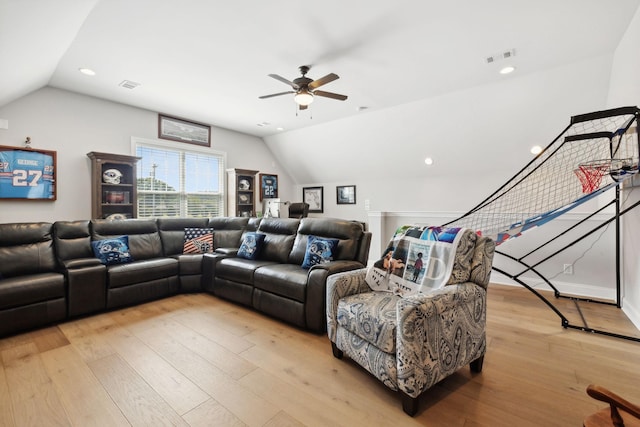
<point>198,240</point>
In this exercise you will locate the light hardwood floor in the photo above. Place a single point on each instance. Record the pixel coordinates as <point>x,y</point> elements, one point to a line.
<point>201,361</point>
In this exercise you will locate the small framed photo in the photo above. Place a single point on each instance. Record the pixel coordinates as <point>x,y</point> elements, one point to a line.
<point>314,197</point>
<point>346,194</point>
<point>181,130</point>
<point>268,186</point>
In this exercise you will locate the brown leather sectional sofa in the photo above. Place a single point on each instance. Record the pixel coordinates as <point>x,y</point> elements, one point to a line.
<point>48,271</point>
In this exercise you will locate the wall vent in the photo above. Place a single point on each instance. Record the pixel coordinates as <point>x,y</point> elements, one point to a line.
<point>128,84</point>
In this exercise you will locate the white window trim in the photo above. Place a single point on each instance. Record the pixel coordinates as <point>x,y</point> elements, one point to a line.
<point>135,141</point>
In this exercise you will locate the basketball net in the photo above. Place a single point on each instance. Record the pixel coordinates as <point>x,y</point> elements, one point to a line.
<point>590,175</point>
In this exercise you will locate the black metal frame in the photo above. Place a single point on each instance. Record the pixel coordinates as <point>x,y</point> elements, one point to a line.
<point>532,268</point>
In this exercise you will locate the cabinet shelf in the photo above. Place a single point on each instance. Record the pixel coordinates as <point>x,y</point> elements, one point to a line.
<point>241,192</point>
<point>122,169</point>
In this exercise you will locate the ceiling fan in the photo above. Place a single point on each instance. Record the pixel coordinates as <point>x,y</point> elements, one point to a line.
<point>305,88</point>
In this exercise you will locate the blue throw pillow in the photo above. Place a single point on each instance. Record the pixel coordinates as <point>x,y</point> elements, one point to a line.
<point>251,245</point>
<point>112,251</point>
<point>318,251</point>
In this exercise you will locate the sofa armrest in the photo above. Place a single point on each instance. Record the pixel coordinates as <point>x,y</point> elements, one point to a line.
<point>339,286</point>
<point>438,333</point>
<point>80,263</point>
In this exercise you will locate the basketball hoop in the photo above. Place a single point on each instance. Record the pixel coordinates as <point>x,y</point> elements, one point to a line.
<point>591,173</point>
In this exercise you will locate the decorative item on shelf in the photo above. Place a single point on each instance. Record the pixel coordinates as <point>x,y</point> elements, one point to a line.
<point>112,176</point>
<point>244,199</point>
<point>116,217</point>
<point>27,142</point>
<point>244,185</point>
<point>117,197</point>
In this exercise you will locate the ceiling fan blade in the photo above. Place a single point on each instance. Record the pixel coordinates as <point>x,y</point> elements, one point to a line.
<point>275,94</point>
<point>323,81</point>
<point>330,95</point>
<point>283,80</point>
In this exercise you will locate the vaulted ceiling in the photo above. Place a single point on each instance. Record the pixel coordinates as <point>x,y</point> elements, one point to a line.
<point>209,60</point>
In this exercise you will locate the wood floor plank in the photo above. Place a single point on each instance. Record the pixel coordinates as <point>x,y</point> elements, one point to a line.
<point>178,391</point>
<point>34,400</point>
<point>6,412</point>
<point>86,402</point>
<point>211,413</point>
<point>241,401</point>
<point>140,404</point>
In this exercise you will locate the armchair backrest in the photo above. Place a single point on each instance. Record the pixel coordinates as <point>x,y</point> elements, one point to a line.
<point>298,210</point>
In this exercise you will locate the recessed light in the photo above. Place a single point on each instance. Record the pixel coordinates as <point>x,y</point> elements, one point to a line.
<point>279,128</point>
<point>508,69</point>
<point>87,71</point>
<point>428,161</point>
<point>536,149</point>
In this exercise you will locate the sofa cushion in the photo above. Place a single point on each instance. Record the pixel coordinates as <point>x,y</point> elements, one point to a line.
<point>138,272</point>
<point>112,251</point>
<point>26,248</point>
<point>251,245</point>
<point>198,241</point>
<point>372,317</point>
<point>229,231</point>
<point>239,270</point>
<point>144,238</point>
<point>30,289</point>
<point>280,234</point>
<point>318,251</point>
<point>348,233</point>
<point>464,256</point>
<point>286,280</point>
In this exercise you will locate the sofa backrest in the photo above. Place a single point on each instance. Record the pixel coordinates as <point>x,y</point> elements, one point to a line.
<point>26,248</point>
<point>280,233</point>
<point>348,233</point>
<point>144,239</point>
<point>72,241</point>
<point>227,231</point>
<point>172,232</point>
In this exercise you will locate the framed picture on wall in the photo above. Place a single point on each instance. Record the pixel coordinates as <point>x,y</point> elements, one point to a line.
<point>181,130</point>
<point>346,194</point>
<point>268,186</point>
<point>27,174</point>
<point>314,197</point>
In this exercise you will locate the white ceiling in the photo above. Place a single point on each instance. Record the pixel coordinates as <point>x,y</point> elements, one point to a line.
<point>208,60</point>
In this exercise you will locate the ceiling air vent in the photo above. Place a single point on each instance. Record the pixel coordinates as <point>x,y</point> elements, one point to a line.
<point>500,56</point>
<point>128,84</point>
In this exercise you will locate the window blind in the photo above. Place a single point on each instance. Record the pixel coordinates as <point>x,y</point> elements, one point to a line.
<point>175,182</point>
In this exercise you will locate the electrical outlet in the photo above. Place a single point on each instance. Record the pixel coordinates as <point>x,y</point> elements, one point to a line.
<point>568,269</point>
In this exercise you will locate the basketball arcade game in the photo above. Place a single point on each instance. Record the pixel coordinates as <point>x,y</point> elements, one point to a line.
<point>592,156</point>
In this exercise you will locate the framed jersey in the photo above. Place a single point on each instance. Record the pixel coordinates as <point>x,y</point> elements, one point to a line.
<point>27,173</point>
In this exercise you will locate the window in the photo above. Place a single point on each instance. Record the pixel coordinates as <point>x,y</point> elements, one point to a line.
<point>179,182</point>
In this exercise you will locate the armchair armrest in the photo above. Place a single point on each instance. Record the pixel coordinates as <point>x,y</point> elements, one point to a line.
<point>339,286</point>
<point>615,402</point>
<point>438,333</point>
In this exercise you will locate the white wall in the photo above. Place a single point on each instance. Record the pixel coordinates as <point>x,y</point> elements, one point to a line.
<point>625,90</point>
<point>73,125</point>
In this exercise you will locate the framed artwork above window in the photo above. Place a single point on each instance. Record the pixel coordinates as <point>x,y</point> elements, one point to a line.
<point>181,130</point>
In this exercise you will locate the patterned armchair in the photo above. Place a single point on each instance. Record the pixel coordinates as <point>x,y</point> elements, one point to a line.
<point>412,343</point>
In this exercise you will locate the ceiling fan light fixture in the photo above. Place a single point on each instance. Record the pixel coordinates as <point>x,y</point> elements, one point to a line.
<point>303,97</point>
